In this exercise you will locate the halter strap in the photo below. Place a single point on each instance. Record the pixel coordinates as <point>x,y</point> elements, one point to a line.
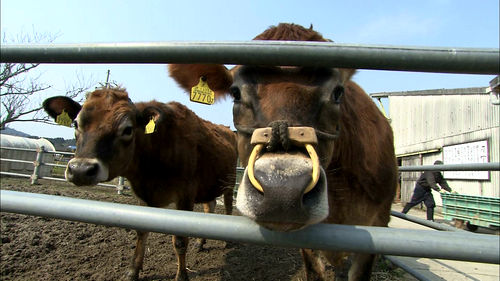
<point>320,134</point>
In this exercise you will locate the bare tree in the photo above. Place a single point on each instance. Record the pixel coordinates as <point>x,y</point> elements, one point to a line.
<point>19,87</point>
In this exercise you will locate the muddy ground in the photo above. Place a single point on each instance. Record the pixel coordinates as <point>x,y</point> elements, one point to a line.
<point>37,248</point>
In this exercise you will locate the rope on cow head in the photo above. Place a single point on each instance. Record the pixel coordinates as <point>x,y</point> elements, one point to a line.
<point>279,136</point>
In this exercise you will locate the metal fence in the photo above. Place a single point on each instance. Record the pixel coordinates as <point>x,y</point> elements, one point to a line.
<point>432,244</point>
<point>360,239</point>
<point>426,59</point>
<point>380,240</point>
<point>38,162</point>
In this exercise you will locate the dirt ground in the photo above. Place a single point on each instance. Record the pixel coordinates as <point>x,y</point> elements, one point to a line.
<point>37,248</point>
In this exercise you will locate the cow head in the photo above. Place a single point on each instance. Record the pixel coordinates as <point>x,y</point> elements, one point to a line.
<point>105,129</point>
<point>287,119</point>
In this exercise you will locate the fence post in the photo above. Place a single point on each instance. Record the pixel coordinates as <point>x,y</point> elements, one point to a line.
<point>37,164</point>
<point>119,186</point>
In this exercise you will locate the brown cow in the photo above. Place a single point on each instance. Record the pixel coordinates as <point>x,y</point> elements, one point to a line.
<point>315,146</point>
<point>185,160</point>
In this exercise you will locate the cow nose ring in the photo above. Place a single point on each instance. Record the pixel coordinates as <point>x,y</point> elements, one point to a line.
<point>305,136</point>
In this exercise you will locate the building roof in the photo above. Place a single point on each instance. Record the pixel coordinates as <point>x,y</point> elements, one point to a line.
<point>27,143</point>
<point>436,92</point>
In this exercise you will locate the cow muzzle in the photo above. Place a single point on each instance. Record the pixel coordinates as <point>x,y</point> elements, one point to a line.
<point>86,171</point>
<point>284,190</point>
<point>310,150</point>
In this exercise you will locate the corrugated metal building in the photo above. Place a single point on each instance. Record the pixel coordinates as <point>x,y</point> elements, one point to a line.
<point>453,125</point>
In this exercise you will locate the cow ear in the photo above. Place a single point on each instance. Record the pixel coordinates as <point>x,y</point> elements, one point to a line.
<point>54,106</point>
<point>346,73</point>
<point>150,117</point>
<point>217,76</point>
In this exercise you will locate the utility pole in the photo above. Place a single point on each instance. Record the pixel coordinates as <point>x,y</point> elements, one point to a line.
<point>107,80</point>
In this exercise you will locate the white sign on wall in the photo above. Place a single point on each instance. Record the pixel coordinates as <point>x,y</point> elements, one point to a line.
<point>465,153</point>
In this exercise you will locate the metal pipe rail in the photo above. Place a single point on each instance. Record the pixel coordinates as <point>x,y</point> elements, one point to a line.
<point>15,174</point>
<point>15,161</point>
<point>50,178</point>
<point>378,240</point>
<point>60,152</point>
<point>35,150</point>
<point>412,271</point>
<point>328,54</point>
<point>54,165</point>
<point>431,224</point>
<point>492,166</point>
<point>398,261</point>
<point>18,148</point>
<point>63,179</point>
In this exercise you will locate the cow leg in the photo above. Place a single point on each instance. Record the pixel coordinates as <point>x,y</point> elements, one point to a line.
<point>207,208</point>
<point>228,201</point>
<point>314,267</point>
<point>228,206</point>
<point>181,245</point>
<point>136,266</point>
<point>340,262</point>
<point>361,268</point>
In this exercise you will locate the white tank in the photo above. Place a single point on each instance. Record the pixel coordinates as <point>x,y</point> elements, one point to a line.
<point>8,141</point>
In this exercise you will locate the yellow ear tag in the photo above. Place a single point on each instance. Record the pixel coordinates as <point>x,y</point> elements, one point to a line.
<point>201,93</point>
<point>64,119</point>
<point>150,127</point>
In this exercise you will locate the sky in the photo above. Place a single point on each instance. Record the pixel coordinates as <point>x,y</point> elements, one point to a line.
<point>435,23</point>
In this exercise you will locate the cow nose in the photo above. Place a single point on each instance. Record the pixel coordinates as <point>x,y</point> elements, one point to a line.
<point>284,181</point>
<point>86,169</point>
<point>82,172</point>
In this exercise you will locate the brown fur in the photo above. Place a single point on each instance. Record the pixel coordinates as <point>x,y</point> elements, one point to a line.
<point>290,32</point>
<point>360,165</point>
<point>186,160</point>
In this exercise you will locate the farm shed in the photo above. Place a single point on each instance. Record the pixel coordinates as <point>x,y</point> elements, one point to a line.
<point>25,150</point>
<point>458,126</point>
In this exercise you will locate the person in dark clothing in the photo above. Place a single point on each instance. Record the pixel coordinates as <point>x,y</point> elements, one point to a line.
<point>422,192</point>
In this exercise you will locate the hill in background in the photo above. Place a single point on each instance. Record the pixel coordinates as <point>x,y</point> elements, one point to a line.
<point>13,132</point>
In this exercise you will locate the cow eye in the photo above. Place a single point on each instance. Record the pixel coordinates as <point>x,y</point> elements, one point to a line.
<point>127,131</point>
<point>235,92</point>
<point>337,94</point>
<point>75,124</point>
